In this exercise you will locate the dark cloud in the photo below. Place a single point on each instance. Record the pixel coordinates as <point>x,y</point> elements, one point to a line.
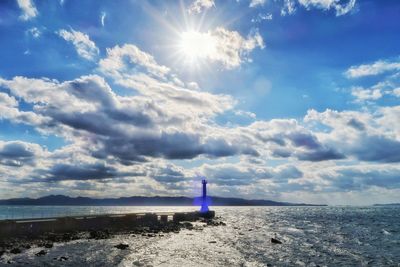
<point>320,155</point>
<point>289,172</point>
<point>356,124</point>
<point>168,174</point>
<point>169,146</point>
<point>95,171</point>
<point>316,151</point>
<point>304,140</point>
<point>281,153</point>
<point>16,153</point>
<point>377,148</point>
<point>358,179</point>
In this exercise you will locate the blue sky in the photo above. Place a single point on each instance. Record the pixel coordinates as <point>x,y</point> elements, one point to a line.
<point>291,100</point>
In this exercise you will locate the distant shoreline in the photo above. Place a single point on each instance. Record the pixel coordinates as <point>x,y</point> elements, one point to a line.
<point>61,200</point>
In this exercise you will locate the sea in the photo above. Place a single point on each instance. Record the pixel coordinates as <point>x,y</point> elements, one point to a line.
<point>310,236</point>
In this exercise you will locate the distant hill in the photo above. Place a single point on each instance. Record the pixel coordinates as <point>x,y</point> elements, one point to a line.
<point>60,200</point>
<point>389,204</point>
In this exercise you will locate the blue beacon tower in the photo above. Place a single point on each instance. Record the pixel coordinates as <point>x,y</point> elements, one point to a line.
<point>204,204</point>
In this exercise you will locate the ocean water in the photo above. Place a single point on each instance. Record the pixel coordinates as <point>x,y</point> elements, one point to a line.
<point>311,236</point>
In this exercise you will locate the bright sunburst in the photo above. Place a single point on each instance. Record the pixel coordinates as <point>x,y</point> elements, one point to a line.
<point>195,46</point>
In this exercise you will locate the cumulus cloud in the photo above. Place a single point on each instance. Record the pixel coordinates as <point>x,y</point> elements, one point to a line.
<point>128,59</point>
<point>396,92</point>
<point>127,128</point>
<point>364,136</point>
<point>85,47</point>
<point>387,86</point>
<point>29,10</point>
<point>362,94</point>
<point>199,5</point>
<point>286,138</point>
<point>375,68</point>
<point>134,144</point>
<point>18,153</point>
<point>227,48</point>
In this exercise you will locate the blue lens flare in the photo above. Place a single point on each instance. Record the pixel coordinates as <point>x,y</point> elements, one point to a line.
<point>204,201</point>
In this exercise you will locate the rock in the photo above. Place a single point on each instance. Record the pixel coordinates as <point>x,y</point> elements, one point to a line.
<point>137,263</point>
<point>15,251</point>
<point>275,241</point>
<point>27,246</point>
<point>48,245</point>
<point>41,253</point>
<point>62,258</point>
<point>121,246</point>
<point>99,234</point>
<point>2,252</point>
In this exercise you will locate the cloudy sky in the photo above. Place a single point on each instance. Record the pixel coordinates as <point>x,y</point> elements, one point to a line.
<point>289,100</point>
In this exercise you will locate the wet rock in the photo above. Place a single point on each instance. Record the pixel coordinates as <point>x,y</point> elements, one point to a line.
<point>121,246</point>
<point>62,258</point>
<point>48,245</point>
<point>275,241</point>
<point>99,234</point>
<point>187,225</point>
<point>15,251</point>
<point>41,253</point>
<point>211,222</point>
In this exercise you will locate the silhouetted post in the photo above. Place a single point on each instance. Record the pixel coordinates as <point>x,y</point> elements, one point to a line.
<point>204,205</point>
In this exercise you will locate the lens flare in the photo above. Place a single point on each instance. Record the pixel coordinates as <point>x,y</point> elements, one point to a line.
<point>195,46</point>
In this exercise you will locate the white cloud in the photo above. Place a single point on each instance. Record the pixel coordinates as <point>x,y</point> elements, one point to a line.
<point>35,32</point>
<point>122,59</point>
<point>375,68</point>
<point>85,47</point>
<point>199,5</point>
<point>29,10</point>
<point>362,94</point>
<point>339,7</point>
<point>103,18</point>
<point>245,114</point>
<point>227,48</point>
<point>255,3</point>
<point>396,92</point>
<point>127,141</point>
<point>260,17</point>
<point>288,7</point>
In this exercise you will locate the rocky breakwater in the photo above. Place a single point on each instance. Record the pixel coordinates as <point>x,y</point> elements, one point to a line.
<point>148,226</point>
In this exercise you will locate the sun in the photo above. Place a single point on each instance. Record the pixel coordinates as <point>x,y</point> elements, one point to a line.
<point>195,46</point>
